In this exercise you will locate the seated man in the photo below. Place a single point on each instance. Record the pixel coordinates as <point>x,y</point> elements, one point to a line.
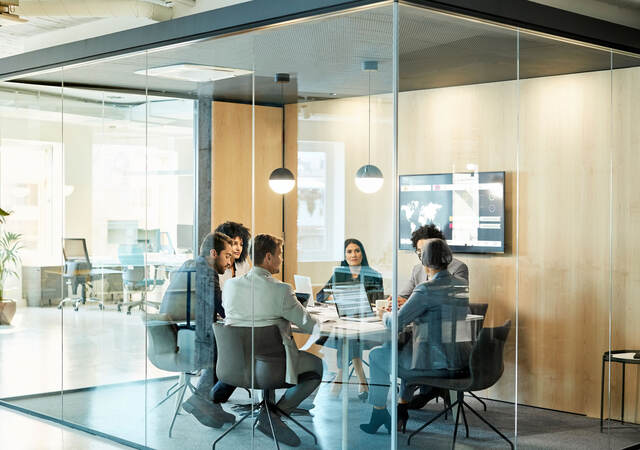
<point>257,299</point>
<point>214,259</point>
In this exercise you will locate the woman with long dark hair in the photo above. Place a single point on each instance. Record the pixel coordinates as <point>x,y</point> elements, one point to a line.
<point>355,269</point>
<point>240,237</point>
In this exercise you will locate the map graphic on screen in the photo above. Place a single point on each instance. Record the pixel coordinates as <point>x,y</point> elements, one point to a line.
<point>467,207</point>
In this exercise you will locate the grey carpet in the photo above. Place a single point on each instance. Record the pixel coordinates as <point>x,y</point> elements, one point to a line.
<point>119,410</point>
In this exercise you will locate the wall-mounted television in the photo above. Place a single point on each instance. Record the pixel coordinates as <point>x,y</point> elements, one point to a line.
<point>467,207</point>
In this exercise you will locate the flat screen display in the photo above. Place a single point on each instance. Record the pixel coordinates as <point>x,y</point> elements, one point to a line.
<point>467,207</point>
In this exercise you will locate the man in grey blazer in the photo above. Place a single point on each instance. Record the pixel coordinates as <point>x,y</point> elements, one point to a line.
<point>418,275</point>
<point>258,299</point>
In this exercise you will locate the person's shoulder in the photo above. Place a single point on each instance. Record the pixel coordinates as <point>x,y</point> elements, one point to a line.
<point>456,263</point>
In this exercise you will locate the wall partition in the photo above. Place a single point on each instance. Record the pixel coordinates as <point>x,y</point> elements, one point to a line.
<point>336,153</point>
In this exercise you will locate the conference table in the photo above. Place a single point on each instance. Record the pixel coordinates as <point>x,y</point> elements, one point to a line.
<point>330,325</point>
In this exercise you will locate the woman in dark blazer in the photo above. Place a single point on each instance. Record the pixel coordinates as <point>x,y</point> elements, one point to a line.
<point>437,309</point>
<point>354,269</point>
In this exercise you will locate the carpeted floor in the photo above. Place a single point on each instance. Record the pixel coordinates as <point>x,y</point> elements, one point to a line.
<point>119,410</point>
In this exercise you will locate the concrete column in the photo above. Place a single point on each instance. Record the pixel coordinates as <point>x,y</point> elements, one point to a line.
<point>203,164</point>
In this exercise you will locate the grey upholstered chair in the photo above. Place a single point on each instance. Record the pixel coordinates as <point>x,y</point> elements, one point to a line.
<point>234,366</point>
<point>173,350</point>
<point>485,367</point>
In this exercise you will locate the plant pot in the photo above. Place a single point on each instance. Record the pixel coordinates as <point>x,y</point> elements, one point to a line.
<point>7,311</point>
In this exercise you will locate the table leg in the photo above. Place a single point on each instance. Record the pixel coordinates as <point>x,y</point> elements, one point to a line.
<point>345,393</point>
<point>622,406</point>
<point>601,394</point>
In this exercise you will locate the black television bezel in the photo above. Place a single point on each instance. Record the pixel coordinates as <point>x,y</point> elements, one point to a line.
<point>504,210</point>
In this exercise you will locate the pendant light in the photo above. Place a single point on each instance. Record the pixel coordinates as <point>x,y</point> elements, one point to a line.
<point>282,180</point>
<point>369,178</point>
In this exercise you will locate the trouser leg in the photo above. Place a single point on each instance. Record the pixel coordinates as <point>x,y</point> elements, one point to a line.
<point>309,378</point>
<point>221,392</point>
<point>379,370</point>
<point>205,383</point>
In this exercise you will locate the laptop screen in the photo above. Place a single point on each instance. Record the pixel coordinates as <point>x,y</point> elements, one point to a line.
<point>351,300</point>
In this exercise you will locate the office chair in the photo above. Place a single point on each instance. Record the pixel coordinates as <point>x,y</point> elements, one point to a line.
<point>78,273</point>
<point>135,277</point>
<point>235,367</point>
<point>173,350</point>
<point>486,366</point>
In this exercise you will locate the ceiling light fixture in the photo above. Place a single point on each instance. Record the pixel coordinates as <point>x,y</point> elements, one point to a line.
<point>369,178</point>
<point>197,73</point>
<point>282,180</point>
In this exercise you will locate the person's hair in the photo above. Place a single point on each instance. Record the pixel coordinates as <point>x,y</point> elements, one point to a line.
<point>234,230</point>
<point>215,241</point>
<point>365,261</point>
<point>436,254</point>
<point>263,244</point>
<point>429,231</point>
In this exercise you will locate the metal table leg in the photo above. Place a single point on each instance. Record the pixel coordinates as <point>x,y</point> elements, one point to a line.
<point>345,393</point>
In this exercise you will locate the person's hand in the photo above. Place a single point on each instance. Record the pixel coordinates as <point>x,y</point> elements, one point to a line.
<point>401,302</point>
<point>380,313</point>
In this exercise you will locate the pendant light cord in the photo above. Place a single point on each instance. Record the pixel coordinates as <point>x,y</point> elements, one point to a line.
<point>369,117</point>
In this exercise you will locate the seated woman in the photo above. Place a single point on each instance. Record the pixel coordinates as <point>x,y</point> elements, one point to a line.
<point>354,269</point>
<point>436,308</point>
<point>240,236</point>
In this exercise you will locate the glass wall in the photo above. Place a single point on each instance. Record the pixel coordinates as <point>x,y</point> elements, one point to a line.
<point>398,125</point>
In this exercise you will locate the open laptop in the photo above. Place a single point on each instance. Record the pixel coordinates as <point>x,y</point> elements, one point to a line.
<point>304,291</point>
<point>352,303</point>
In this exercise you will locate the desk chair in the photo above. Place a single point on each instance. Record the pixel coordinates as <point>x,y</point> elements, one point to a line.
<point>173,350</point>
<point>234,367</point>
<point>78,273</point>
<point>135,277</point>
<point>486,366</point>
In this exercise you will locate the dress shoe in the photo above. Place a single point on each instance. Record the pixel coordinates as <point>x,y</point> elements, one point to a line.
<point>379,417</point>
<point>283,433</point>
<point>203,411</point>
<point>419,400</point>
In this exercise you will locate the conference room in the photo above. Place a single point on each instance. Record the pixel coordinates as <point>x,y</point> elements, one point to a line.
<point>344,134</point>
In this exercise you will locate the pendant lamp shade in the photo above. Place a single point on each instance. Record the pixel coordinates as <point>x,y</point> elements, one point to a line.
<point>369,179</point>
<point>281,180</point>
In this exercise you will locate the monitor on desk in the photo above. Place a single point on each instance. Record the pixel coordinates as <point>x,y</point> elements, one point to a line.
<point>185,236</point>
<point>122,231</point>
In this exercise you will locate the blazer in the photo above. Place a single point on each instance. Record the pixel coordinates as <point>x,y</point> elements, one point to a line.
<point>257,299</point>
<point>371,279</point>
<point>436,309</point>
<point>418,275</point>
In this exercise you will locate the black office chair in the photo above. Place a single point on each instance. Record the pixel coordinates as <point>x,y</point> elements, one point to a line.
<point>234,366</point>
<point>485,366</point>
<point>479,309</point>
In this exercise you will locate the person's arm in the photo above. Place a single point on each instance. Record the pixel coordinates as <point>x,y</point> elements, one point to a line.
<point>322,295</point>
<point>294,312</point>
<point>414,307</point>
<point>462,271</point>
<point>218,309</point>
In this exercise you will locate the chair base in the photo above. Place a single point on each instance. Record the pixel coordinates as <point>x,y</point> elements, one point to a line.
<point>267,406</point>
<point>179,388</point>
<point>461,407</point>
<point>77,301</point>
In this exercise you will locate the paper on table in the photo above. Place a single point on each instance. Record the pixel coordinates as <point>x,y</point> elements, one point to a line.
<point>315,334</point>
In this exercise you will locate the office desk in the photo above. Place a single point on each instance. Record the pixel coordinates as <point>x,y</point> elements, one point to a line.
<point>89,274</point>
<point>368,331</point>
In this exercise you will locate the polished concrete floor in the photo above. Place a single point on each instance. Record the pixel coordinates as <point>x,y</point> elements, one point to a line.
<point>23,432</point>
<point>99,359</point>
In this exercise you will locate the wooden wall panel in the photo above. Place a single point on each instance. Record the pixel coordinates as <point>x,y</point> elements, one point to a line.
<point>232,168</point>
<point>561,133</point>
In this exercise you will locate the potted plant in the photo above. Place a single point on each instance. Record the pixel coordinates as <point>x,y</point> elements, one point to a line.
<point>9,259</point>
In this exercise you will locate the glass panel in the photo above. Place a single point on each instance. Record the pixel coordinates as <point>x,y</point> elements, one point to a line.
<point>32,189</point>
<point>564,242</point>
<point>623,369</point>
<point>335,113</point>
<point>457,165</point>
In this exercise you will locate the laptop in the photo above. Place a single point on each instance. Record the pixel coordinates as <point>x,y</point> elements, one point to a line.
<point>304,292</point>
<point>353,304</point>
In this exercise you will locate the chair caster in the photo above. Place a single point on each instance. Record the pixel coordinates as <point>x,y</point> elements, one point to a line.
<point>119,307</point>
<point>101,306</point>
<point>75,308</point>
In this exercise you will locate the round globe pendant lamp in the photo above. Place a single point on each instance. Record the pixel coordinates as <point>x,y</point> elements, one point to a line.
<point>369,178</point>
<point>282,180</point>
